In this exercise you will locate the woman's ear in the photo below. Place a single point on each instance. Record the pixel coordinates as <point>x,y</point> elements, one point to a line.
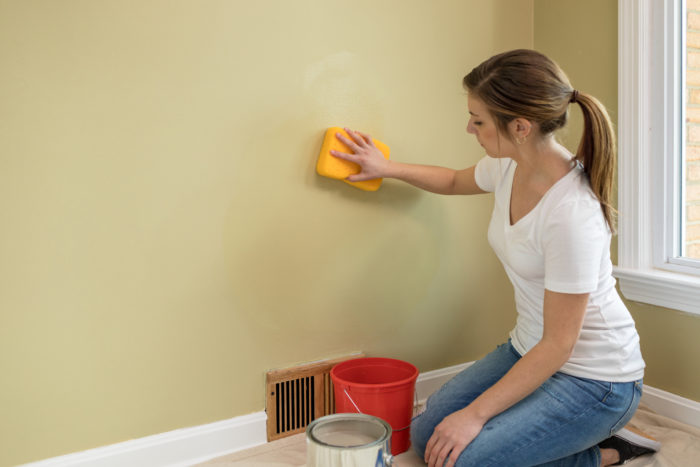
<point>520,128</point>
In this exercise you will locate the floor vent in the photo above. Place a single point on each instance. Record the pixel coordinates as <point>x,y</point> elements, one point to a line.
<point>299,395</point>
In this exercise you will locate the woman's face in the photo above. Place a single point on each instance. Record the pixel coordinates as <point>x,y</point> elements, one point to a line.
<point>483,126</point>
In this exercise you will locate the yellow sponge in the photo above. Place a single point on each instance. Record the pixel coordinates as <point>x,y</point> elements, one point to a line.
<point>334,167</point>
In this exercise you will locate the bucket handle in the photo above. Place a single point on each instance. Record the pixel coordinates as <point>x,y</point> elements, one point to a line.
<point>345,390</point>
<point>352,401</point>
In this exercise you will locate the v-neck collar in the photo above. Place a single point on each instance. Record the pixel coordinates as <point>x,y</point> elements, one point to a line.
<point>527,215</point>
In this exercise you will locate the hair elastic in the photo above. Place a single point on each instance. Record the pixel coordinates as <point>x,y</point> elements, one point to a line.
<point>574,96</point>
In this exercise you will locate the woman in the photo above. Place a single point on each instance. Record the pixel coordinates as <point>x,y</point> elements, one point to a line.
<point>570,375</point>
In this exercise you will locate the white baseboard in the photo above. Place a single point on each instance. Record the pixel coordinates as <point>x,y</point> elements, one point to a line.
<point>672,406</point>
<point>431,381</point>
<point>189,446</point>
<point>178,448</point>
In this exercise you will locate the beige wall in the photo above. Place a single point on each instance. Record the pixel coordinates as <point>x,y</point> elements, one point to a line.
<point>165,239</point>
<point>582,38</point>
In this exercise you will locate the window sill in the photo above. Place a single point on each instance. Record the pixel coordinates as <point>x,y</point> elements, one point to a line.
<point>660,288</point>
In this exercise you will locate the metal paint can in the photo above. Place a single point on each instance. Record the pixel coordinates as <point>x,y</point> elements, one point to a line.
<point>348,440</point>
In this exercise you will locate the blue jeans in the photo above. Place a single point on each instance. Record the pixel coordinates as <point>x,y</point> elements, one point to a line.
<point>559,424</point>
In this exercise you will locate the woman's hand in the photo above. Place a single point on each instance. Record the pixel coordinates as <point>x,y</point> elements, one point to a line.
<point>365,154</point>
<point>450,437</point>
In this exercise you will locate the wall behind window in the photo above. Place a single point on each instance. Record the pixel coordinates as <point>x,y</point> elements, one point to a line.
<point>582,38</point>
<point>165,239</point>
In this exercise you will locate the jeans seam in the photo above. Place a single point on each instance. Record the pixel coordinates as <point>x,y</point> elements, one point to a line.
<point>610,390</point>
<point>598,454</point>
<point>613,429</point>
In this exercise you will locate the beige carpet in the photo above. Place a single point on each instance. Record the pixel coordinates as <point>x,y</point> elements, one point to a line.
<point>680,447</point>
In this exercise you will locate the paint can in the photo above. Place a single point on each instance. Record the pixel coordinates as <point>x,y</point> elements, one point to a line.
<point>348,440</point>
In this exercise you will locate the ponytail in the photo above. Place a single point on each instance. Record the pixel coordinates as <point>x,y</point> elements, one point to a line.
<point>596,152</point>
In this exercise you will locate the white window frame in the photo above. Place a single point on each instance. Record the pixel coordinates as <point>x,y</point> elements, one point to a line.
<point>650,131</point>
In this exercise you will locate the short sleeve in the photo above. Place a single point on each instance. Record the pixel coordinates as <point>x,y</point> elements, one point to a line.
<point>574,239</point>
<point>489,171</point>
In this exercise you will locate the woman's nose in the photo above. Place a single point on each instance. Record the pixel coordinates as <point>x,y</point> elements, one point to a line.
<point>470,128</point>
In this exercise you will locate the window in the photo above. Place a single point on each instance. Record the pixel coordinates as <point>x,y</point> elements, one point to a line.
<point>691,173</point>
<point>659,137</point>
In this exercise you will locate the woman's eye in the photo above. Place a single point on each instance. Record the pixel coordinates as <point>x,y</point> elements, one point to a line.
<point>477,123</point>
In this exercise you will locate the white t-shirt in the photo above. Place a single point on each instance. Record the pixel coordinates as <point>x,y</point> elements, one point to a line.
<point>563,245</point>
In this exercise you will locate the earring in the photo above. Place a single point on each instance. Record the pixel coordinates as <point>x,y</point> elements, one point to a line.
<point>520,140</point>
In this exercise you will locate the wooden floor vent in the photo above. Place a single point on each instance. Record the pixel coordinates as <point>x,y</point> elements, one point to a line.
<point>299,395</point>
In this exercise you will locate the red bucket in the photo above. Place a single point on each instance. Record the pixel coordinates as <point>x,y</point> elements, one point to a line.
<point>382,387</point>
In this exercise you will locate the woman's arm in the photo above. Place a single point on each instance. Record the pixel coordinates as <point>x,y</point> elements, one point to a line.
<point>563,317</point>
<point>439,180</point>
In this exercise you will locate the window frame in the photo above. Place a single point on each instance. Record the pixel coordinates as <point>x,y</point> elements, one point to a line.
<point>651,122</point>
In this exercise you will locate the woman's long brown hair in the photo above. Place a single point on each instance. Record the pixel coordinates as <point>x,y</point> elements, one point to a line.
<point>526,84</point>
